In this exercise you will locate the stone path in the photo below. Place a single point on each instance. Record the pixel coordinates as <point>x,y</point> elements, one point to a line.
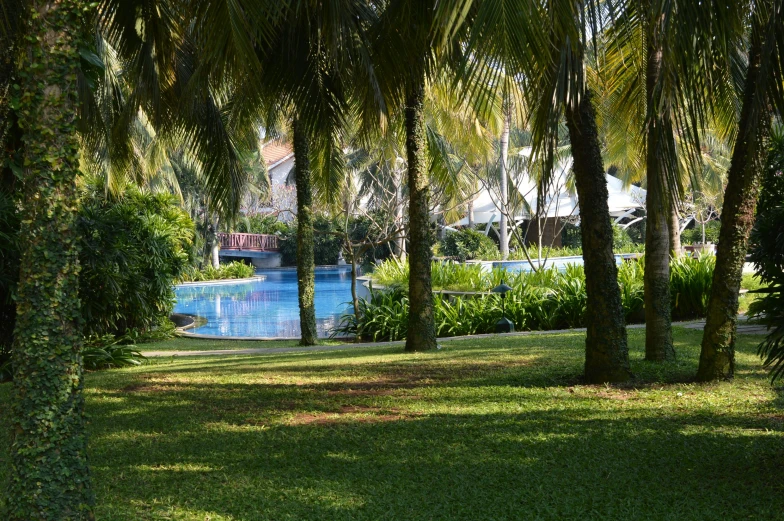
<point>744,328</point>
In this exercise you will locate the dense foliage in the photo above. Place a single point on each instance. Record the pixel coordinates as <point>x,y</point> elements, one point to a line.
<point>694,235</point>
<point>327,241</point>
<point>232,270</point>
<point>767,253</point>
<point>467,244</point>
<point>9,270</point>
<point>133,247</point>
<point>547,299</point>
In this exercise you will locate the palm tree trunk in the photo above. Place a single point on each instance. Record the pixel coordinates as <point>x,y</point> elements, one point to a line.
<point>421,316</point>
<point>400,241</point>
<point>306,270</point>
<point>50,479</point>
<point>674,227</point>
<point>717,358</point>
<point>658,323</point>
<point>606,351</point>
<point>215,251</point>
<point>504,189</point>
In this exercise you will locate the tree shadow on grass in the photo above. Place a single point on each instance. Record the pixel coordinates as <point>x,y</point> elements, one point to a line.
<point>200,455</point>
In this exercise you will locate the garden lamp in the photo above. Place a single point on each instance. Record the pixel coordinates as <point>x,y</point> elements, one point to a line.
<point>504,325</point>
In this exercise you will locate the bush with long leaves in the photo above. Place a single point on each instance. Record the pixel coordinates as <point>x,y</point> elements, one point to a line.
<point>543,300</point>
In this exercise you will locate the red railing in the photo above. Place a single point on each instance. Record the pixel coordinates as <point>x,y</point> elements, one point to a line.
<point>248,241</point>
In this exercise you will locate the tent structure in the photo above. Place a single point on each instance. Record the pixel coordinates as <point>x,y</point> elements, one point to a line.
<point>560,201</point>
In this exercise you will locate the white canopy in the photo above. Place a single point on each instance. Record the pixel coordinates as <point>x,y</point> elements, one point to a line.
<point>560,202</point>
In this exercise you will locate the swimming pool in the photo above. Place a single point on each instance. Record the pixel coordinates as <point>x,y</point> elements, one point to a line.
<point>265,308</point>
<point>558,263</point>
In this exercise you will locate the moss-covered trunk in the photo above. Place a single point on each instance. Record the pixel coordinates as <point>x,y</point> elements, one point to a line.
<point>50,479</point>
<point>658,323</point>
<point>306,270</point>
<point>717,358</point>
<point>606,351</point>
<point>421,334</point>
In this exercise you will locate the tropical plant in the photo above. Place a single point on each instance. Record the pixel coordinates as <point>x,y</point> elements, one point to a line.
<point>767,253</point>
<point>232,270</point>
<point>108,351</point>
<point>467,244</point>
<point>690,285</point>
<point>409,53</point>
<point>545,45</point>
<point>133,248</point>
<point>654,132</point>
<point>763,89</point>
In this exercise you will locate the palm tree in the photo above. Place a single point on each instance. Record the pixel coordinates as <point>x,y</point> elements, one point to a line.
<point>544,46</point>
<point>317,75</point>
<point>58,82</point>
<point>645,103</point>
<point>50,477</point>
<point>404,53</point>
<point>762,91</point>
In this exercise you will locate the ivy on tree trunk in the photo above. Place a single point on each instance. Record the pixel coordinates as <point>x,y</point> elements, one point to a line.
<point>306,270</point>
<point>50,479</point>
<point>421,334</point>
<point>717,357</point>
<point>606,350</point>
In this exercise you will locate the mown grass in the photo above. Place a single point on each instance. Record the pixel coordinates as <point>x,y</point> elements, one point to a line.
<point>483,429</point>
<point>205,344</point>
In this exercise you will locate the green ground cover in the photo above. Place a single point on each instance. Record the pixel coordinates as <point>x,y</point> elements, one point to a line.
<point>204,344</point>
<point>486,428</point>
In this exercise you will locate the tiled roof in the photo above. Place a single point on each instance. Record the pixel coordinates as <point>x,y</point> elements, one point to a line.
<point>275,151</point>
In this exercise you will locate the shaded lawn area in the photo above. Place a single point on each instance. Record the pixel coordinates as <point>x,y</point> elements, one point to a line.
<point>485,429</point>
<point>185,343</point>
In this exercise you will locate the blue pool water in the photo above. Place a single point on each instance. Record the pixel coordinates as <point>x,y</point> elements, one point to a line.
<point>559,263</point>
<point>266,308</point>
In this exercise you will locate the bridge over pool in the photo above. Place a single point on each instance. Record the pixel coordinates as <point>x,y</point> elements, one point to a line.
<point>262,250</point>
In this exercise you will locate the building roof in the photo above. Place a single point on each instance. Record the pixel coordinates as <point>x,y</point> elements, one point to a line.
<point>560,201</point>
<point>274,152</point>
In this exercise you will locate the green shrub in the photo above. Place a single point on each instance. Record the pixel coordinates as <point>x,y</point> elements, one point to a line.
<point>622,241</point>
<point>543,300</point>
<point>467,244</point>
<point>9,272</point>
<point>232,270</point>
<point>694,235</point>
<point>263,224</point>
<point>631,283</point>
<point>134,247</point>
<point>108,351</point>
<point>690,283</point>
<point>767,253</point>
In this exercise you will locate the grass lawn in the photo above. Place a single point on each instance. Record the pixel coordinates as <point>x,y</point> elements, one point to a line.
<point>485,429</point>
<point>204,344</point>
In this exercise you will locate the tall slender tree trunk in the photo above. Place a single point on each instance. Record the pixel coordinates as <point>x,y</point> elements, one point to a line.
<point>306,270</point>
<point>658,323</point>
<point>674,227</point>
<point>400,241</point>
<point>717,358</point>
<point>606,351</point>
<point>421,334</point>
<point>215,251</point>
<point>504,189</point>
<point>471,213</point>
<point>50,479</point>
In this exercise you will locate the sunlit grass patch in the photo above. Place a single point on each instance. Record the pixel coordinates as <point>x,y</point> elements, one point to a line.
<point>485,428</point>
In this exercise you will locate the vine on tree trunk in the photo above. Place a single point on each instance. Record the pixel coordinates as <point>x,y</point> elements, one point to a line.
<point>50,478</point>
